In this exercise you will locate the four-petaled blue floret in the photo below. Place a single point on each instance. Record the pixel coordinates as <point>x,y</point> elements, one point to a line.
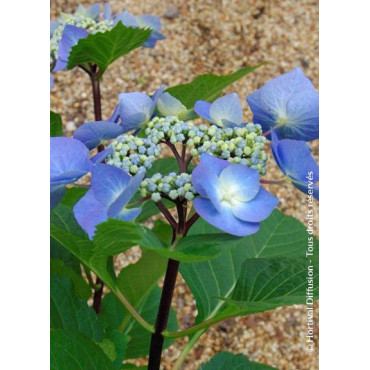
<point>231,197</point>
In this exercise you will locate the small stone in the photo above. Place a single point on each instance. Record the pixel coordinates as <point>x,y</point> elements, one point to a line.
<point>172,13</point>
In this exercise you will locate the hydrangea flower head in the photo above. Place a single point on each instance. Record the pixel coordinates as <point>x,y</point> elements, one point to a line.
<point>224,112</point>
<point>289,104</point>
<point>295,160</point>
<point>69,160</point>
<point>231,197</point>
<point>111,190</point>
<point>66,32</point>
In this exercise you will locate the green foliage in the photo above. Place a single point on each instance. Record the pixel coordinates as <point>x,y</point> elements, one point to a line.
<point>138,282</point>
<point>80,288</point>
<point>280,236</point>
<point>56,127</point>
<point>114,346</point>
<point>206,87</point>
<point>70,312</point>
<point>264,284</point>
<point>72,351</point>
<point>103,48</point>
<point>112,237</point>
<point>164,166</point>
<point>227,360</point>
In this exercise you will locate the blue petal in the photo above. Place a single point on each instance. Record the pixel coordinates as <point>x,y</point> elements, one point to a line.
<point>157,94</point>
<point>117,206</point>
<point>303,117</point>
<point>296,160</point>
<point>108,183</point>
<point>126,18</point>
<point>214,163</point>
<point>93,133</point>
<point>152,40</point>
<point>67,156</point>
<point>288,101</point>
<point>129,214</point>
<point>202,108</point>
<point>53,27</point>
<point>241,180</point>
<point>135,109</point>
<point>227,110</point>
<point>107,14</point>
<point>170,106</point>
<point>67,177</point>
<point>56,195</point>
<point>257,209</point>
<point>93,11</point>
<point>274,149</point>
<point>206,183</point>
<point>224,220</point>
<point>71,36</point>
<point>89,212</point>
<point>303,187</point>
<point>99,157</point>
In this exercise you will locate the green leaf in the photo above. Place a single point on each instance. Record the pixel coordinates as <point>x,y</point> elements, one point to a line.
<point>70,312</point>
<point>206,87</point>
<point>228,360</point>
<point>72,196</point>
<point>265,284</point>
<point>114,346</point>
<point>114,314</point>
<point>164,166</point>
<point>115,236</point>
<point>56,127</point>
<point>103,48</point>
<point>57,251</point>
<point>80,288</point>
<point>138,282</point>
<point>112,237</point>
<point>279,236</point>
<point>73,351</point>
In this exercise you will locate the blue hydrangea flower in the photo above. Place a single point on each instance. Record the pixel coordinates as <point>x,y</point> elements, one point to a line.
<point>111,190</point>
<point>224,112</point>
<point>70,38</point>
<point>142,21</point>
<point>135,109</point>
<point>295,160</point>
<point>69,160</point>
<point>289,104</point>
<point>231,197</point>
<point>92,134</point>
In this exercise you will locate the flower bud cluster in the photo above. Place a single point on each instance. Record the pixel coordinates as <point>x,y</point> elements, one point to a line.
<point>132,153</point>
<point>243,145</point>
<point>78,20</point>
<point>172,186</point>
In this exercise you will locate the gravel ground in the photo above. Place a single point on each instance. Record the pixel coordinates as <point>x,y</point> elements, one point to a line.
<point>218,36</point>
